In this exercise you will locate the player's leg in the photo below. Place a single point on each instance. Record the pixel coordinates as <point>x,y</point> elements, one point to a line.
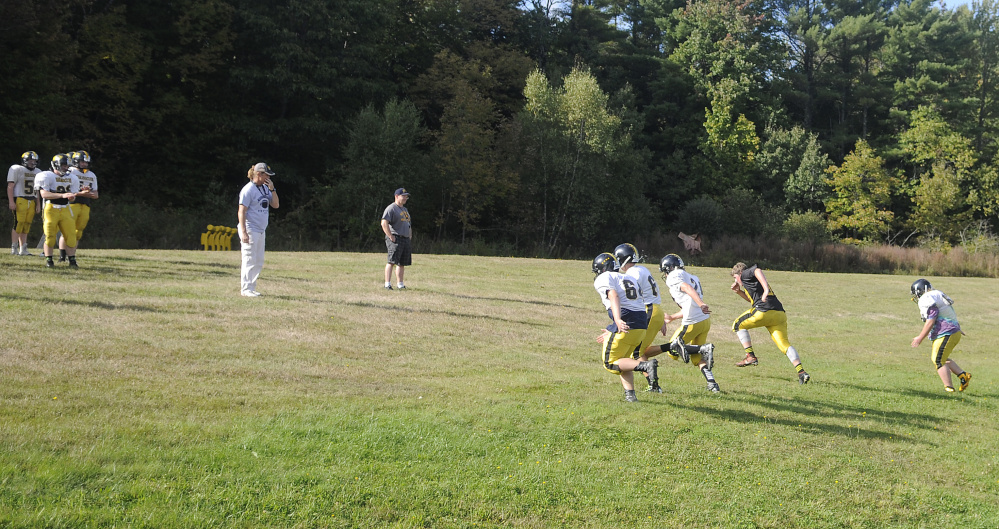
<point>405,259</point>
<point>392,260</point>
<point>646,350</point>
<point>616,358</point>
<point>747,320</point>
<point>702,353</point>
<point>82,219</point>
<point>940,352</point>
<point>67,225</point>
<point>25,214</point>
<point>776,324</point>
<point>50,227</point>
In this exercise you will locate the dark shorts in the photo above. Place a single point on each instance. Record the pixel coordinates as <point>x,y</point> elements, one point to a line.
<point>399,252</point>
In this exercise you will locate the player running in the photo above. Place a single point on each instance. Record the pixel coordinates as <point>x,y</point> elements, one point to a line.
<point>767,311</point>
<point>627,257</point>
<point>622,298</point>
<point>937,310</point>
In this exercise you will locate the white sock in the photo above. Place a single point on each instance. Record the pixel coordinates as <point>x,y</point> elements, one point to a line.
<point>388,284</point>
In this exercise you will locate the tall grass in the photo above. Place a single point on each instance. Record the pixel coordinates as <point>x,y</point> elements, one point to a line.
<point>142,391</point>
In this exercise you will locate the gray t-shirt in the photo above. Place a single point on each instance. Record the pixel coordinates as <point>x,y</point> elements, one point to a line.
<point>257,200</point>
<point>398,220</point>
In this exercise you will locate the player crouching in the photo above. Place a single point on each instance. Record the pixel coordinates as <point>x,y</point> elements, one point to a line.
<point>622,298</point>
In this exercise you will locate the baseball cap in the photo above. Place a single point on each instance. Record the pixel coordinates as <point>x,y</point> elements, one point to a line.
<point>401,191</point>
<point>263,168</point>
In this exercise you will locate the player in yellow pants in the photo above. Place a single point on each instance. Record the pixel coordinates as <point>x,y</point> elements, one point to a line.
<point>21,200</point>
<point>58,187</point>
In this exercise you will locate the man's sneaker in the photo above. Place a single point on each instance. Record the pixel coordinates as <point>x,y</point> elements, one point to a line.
<point>803,377</point>
<point>401,287</point>
<point>629,395</point>
<point>72,264</point>
<point>949,389</point>
<point>62,259</point>
<point>680,349</point>
<point>708,354</point>
<point>654,389</point>
<point>650,367</point>
<point>750,360</point>
<point>249,293</point>
<point>24,251</point>
<point>713,387</point>
<point>49,263</point>
<point>13,250</point>
<point>965,380</point>
<point>388,287</point>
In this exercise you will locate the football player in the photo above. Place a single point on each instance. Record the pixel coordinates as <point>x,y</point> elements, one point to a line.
<point>58,188</point>
<point>627,257</point>
<point>766,311</point>
<point>689,340</point>
<point>21,200</point>
<point>937,310</point>
<point>622,298</point>
<point>80,167</point>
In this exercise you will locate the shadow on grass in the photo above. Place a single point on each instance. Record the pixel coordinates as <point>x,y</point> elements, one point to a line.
<point>441,312</point>
<point>82,303</point>
<point>509,300</point>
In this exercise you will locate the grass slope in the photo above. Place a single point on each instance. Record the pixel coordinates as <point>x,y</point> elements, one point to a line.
<point>142,391</point>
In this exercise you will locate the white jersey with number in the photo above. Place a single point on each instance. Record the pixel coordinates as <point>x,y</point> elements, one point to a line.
<point>54,183</point>
<point>86,178</point>
<point>23,179</point>
<point>650,289</point>
<point>630,295</point>
<point>691,312</point>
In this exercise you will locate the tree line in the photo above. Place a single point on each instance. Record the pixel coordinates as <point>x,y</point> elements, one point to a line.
<point>541,127</point>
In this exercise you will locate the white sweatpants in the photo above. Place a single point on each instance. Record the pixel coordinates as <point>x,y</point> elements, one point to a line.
<point>253,260</point>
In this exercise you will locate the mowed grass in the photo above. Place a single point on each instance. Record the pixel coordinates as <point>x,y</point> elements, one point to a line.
<point>142,391</point>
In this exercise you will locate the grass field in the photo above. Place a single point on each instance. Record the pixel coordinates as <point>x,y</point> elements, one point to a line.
<point>142,391</point>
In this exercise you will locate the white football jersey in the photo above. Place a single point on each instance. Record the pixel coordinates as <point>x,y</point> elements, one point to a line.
<point>691,312</point>
<point>87,178</point>
<point>650,289</point>
<point>23,179</point>
<point>628,291</point>
<point>54,183</point>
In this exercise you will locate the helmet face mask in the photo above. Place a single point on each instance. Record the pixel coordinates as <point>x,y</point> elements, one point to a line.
<point>918,288</point>
<point>669,263</point>
<point>60,164</point>
<point>627,253</point>
<point>29,159</point>
<point>604,262</point>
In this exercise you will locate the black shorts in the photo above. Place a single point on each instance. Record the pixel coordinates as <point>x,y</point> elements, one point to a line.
<point>399,252</point>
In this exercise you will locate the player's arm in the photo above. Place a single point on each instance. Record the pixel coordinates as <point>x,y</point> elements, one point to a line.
<point>244,234</point>
<point>925,332</point>
<point>616,310</point>
<point>388,232</point>
<point>737,288</point>
<point>275,201</point>
<point>49,195</point>
<point>763,281</point>
<point>690,291</point>
<point>10,196</point>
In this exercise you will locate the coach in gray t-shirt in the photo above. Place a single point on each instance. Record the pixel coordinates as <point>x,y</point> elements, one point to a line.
<point>398,230</point>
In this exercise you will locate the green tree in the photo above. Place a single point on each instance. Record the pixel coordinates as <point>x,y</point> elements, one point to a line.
<point>792,168</point>
<point>861,195</point>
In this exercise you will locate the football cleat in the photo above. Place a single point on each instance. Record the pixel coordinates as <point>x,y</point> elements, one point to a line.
<point>713,387</point>
<point>965,380</point>
<point>13,250</point>
<point>24,251</point>
<point>949,389</point>
<point>650,367</point>
<point>388,287</point>
<point>402,287</point>
<point>680,349</point>
<point>73,265</point>
<point>629,395</point>
<point>803,378</point>
<point>654,389</point>
<point>750,360</point>
<point>708,354</point>
<point>49,264</point>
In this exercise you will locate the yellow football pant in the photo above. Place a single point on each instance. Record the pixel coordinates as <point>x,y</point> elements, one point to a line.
<point>25,214</point>
<point>656,319</point>
<point>81,212</point>
<point>943,346</point>
<point>620,345</point>
<point>55,220</point>
<point>695,334</point>
<point>774,320</point>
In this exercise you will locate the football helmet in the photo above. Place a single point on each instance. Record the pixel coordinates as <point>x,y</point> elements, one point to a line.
<point>669,263</point>
<point>918,288</point>
<point>80,156</point>
<point>626,253</point>
<point>60,163</point>
<point>604,262</point>
<point>29,157</point>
